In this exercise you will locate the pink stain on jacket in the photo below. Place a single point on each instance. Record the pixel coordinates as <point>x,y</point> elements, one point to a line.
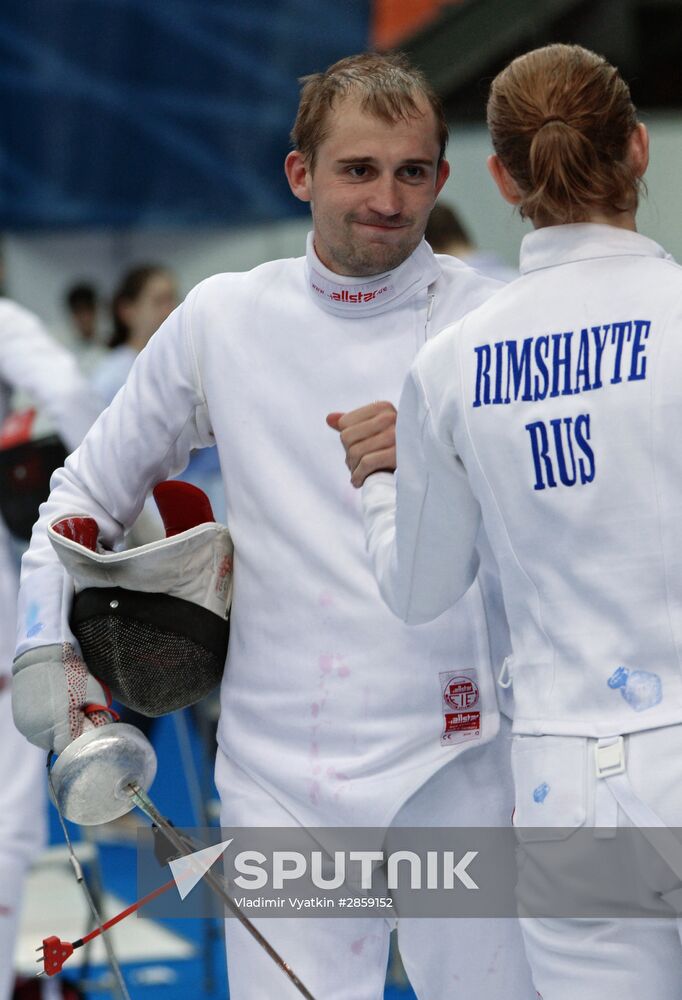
<point>325,663</point>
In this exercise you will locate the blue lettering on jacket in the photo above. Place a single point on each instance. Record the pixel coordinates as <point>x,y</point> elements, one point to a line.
<point>482,375</point>
<point>554,452</point>
<point>561,364</point>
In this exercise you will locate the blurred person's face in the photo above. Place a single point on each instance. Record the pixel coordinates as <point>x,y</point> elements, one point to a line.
<point>371,189</point>
<point>85,321</point>
<point>145,314</point>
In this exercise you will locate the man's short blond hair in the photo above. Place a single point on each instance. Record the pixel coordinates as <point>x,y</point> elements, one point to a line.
<point>389,88</point>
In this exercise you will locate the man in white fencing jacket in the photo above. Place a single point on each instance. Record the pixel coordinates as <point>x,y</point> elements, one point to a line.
<point>332,711</point>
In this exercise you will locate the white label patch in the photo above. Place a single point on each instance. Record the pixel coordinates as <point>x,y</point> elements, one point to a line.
<point>461,697</point>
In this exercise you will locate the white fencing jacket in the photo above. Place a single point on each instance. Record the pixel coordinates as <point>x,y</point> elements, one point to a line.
<point>32,363</point>
<point>555,412</point>
<point>328,700</point>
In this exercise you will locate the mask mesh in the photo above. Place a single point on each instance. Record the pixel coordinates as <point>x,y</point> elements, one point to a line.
<point>155,653</point>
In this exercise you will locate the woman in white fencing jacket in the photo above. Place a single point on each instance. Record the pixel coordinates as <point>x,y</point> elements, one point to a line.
<point>552,412</point>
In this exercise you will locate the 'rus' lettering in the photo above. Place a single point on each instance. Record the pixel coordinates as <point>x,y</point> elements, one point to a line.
<point>554,449</point>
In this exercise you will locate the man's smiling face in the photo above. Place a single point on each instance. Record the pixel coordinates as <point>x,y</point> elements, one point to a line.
<point>371,187</point>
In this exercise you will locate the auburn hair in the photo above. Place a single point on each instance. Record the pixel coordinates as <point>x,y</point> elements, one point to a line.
<point>560,118</point>
<point>389,88</point>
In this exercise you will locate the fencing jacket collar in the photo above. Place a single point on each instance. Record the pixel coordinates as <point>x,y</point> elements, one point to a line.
<point>362,297</point>
<point>553,245</point>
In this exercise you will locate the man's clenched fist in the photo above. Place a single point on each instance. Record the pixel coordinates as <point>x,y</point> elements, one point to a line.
<point>368,436</point>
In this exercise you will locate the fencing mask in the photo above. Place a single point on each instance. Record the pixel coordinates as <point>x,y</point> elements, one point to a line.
<point>153,622</point>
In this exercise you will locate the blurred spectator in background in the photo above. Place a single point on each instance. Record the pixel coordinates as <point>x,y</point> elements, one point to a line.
<point>80,332</point>
<point>30,361</point>
<point>81,303</point>
<point>446,233</point>
<point>145,297</point>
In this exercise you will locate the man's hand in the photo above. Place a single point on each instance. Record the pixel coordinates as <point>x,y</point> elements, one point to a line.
<point>55,698</point>
<point>368,436</point>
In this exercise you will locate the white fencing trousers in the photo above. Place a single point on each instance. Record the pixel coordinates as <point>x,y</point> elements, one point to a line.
<point>345,959</point>
<point>22,784</point>
<point>22,828</point>
<point>602,957</point>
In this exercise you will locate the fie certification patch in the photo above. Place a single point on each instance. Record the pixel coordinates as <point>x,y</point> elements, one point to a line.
<point>461,707</point>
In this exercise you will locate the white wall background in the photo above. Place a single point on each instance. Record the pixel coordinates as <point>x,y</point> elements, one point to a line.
<point>39,267</point>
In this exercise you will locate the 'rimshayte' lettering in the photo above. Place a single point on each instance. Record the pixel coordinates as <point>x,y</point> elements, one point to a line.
<point>561,364</point>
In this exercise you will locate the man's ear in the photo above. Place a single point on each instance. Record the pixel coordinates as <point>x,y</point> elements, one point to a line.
<point>442,175</point>
<point>506,184</point>
<point>298,175</point>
